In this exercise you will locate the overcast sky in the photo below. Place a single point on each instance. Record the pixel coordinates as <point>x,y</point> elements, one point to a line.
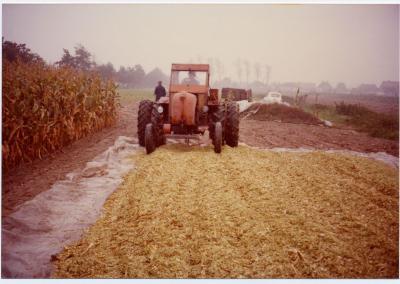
<point>310,43</point>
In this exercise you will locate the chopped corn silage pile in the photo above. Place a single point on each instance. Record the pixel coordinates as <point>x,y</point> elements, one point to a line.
<point>186,212</point>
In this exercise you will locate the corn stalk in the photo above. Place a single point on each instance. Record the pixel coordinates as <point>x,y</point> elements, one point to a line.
<point>46,108</point>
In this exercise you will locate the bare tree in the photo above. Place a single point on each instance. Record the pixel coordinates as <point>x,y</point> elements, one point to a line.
<point>257,70</point>
<point>267,73</point>
<point>247,71</point>
<point>238,64</point>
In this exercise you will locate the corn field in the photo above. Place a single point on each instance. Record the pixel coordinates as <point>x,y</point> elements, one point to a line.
<point>46,108</point>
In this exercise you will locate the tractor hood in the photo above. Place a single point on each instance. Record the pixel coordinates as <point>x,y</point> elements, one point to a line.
<point>183,108</point>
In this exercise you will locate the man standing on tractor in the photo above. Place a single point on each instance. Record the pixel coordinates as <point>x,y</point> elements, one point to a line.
<point>159,91</point>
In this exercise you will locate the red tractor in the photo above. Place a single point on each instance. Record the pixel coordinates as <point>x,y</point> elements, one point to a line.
<point>190,109</point>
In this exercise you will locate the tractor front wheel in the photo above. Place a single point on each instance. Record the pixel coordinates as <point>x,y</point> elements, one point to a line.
<point>217,116</point>
<point>157,121</point>
<point>149,139</point>
<point>144,117</point>
<point>217,137</point>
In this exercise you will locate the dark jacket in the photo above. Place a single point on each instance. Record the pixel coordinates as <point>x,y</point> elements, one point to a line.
<point>159,92</point>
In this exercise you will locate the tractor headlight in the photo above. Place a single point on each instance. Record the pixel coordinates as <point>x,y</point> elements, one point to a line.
<point>205,108</point>
<point>160,109</point>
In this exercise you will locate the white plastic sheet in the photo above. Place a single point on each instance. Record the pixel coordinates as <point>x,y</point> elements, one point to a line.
<point>42,226</point>
<point>243,105</point>
<point>328,123</point>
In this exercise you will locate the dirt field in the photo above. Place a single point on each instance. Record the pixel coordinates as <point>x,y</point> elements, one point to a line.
<point>25,182</point>
<point>383,104</point>
<point>270,134</point>
<point>316,216</point>
<point>279,112</point>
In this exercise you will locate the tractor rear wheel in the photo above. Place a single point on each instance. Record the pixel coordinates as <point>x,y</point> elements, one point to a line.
<point>157,121</point>
<point>144,117</point>
<point>218,137</point>
<point>149,140</point>
<point>232,125</point>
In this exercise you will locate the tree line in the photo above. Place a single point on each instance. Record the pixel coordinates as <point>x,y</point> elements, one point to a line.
<point>81,59</point>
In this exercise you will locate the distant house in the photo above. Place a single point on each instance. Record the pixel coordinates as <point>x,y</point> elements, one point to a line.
<point>367,89</point>
<point>288,87</point>
<point>390,88</point>
<point>341,88</point>
<point>258,86</point>
<point>307,87</point>
<point>324,87</point>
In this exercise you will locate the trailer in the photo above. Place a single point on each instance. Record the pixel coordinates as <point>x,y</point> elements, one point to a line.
<point>234,94</point>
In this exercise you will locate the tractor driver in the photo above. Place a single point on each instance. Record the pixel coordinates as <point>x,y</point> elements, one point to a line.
<point>191,80</point>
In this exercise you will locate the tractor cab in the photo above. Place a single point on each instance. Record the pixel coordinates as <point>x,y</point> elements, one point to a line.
<point>191,78</point>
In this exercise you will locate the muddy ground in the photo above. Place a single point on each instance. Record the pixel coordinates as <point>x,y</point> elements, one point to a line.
<point>26,181</point>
